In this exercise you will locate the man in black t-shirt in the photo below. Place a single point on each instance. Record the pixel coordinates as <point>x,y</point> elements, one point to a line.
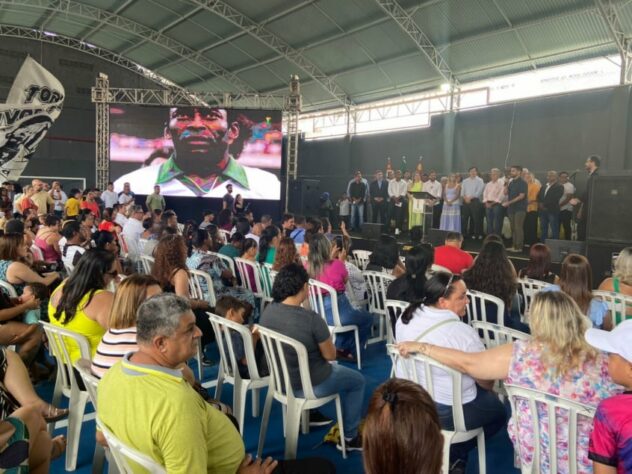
<point>516,205</point>
<point>228,200</point>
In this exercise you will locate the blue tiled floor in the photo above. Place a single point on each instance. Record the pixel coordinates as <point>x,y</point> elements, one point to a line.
<point>376,367</point>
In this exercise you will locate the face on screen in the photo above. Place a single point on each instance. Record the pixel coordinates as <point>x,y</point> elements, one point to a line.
<point>199,132</point>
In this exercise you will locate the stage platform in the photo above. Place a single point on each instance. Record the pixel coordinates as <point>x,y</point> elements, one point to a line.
<point>473,247</point>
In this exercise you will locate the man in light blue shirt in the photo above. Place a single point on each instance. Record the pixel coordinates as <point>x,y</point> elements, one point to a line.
<point>472,209</point>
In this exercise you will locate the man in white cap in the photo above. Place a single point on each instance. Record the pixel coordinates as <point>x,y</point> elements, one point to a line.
<point>611,440</point>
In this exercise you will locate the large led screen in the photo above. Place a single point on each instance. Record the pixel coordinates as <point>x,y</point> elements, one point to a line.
<point>195,151</point>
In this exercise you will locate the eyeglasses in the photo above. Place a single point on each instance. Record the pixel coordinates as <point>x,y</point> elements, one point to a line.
<point>447,288</point>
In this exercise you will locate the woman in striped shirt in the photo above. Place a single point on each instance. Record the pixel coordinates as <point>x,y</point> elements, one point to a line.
<point>120,338</point>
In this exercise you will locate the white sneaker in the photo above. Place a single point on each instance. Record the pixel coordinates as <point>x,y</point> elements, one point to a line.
<point>396,231</point>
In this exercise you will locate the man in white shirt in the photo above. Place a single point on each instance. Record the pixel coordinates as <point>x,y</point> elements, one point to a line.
<point>132,231</point>
<point>432,186</point>
<point>60,198</point>
<point>201,164</point>
<point>493,196</point>
<point>121,218</point>
<point>566,208</point>
<point>126,196</point>
<point>397,192</point>
<point>109,197</point>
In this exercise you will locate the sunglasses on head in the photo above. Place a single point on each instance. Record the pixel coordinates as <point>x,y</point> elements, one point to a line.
<point>447,288</point>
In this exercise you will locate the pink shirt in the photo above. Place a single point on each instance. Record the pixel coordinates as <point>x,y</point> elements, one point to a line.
<point>494,192</point>
<point>335,275</point>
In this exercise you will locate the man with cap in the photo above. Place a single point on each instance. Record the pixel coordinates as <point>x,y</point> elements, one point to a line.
<point>610,445</point>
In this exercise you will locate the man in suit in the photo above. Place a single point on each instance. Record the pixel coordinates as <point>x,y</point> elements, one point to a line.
<point>549,206</point>
<point>378,190</point>
<point>592,166</point>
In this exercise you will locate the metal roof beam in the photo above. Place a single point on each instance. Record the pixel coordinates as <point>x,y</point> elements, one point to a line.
<point>517,33</point>
<point>238,34</point>
<point>272,41</point>
<point>72,8</point>
<point>610,16</point>
<point>406,22</point>
<point>83,35</point>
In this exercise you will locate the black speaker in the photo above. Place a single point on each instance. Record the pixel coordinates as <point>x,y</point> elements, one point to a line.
<point>600,255</point>
<point>561,248</point>
<point>304,197</point>
<point>610,209</point>
<point>371,231</point>
<point>436,236</point>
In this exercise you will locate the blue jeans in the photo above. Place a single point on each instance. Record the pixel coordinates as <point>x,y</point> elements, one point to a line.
<point>349,316</point>
<point>550,219</point>
<point>495,216</point>
<point>349,384</point>
<point>485,411</point>
<point>357,213</point>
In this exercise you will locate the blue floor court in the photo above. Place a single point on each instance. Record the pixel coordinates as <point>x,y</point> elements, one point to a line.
<point>376,368</point>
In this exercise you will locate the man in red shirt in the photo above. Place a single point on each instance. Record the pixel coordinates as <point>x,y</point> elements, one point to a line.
<point>451,256</point>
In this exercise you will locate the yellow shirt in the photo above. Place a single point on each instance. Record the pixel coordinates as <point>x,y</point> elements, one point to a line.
<point>81,324</point>
<point>532,195</point>
<point>154,410</point>
<point>72,207</point>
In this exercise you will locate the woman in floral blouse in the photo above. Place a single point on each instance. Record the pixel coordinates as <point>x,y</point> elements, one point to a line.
<point>556,360</point>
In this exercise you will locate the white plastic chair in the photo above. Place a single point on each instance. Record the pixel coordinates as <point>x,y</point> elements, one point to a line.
<point>477,311</point>
<point>620,305</point>
<point>318,291</point>
<point>91,383</point>
<point>196,289</point>
<point>529,287</point>
<point>123,453</point>
<point>147,264</point>
<point>38,255</point>
<point>229,367</point>
<point>361,258</point>
<point>180,228</point>
<point>376,284</point>
<point>225,235</point>
<point>277,347</point>
<point>493,335</point>
<point>546,409</point>
<point>407,368</point>
<point>394,309</point>
<point>9,289</point>
<point>434,268</point>
<point>247,268</point>
<point>228,261</point>
<point>67,385</point>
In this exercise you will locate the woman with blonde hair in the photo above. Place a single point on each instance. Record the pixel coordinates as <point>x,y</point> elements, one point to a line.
<point>556,360</point>
<point>621,280</point>
<point>120,338</point>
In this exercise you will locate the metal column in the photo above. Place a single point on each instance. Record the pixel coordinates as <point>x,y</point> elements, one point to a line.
<point>100,97</point>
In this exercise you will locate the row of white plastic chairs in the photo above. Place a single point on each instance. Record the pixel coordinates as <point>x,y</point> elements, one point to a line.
<point>279,388</point>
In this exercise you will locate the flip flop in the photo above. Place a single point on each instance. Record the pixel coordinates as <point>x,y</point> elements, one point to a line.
<point>55,414</point>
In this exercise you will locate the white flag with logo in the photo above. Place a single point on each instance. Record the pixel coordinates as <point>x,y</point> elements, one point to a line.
<point>33,104</point>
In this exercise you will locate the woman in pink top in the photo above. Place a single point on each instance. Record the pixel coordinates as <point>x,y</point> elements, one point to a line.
<point>323,265</point>
<point>557,360</point>
<point>47,239</point>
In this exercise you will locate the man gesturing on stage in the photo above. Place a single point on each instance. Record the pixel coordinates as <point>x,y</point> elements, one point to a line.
<point>201,161</point>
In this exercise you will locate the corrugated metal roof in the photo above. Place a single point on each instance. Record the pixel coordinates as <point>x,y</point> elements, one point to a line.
<point>368,54</point>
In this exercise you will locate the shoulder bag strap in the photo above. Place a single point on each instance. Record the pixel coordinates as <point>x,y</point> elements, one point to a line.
<point>433,327</point>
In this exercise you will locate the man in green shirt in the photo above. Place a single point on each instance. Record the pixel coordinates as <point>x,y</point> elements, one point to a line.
<point>233,248</point>
<point>155,201</point>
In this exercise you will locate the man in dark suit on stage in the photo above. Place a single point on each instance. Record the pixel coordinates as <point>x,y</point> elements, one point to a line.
<point>378,190</point>
<point>592,166</point>
<point>549,206</point>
